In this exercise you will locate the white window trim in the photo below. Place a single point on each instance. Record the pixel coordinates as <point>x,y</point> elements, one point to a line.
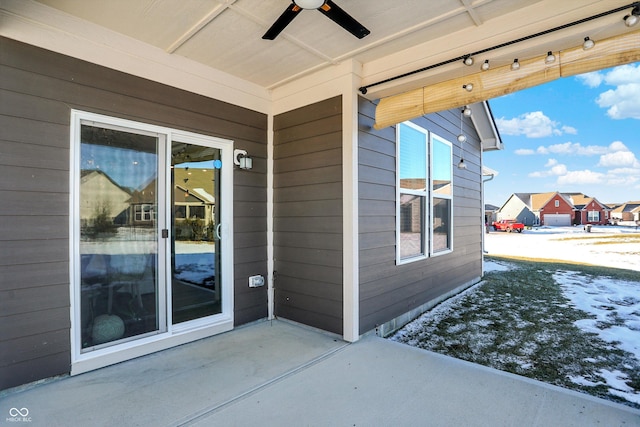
<point>399,192</point>
<point>428,194</point>
<point>444,197</point>
<point>169,335</point>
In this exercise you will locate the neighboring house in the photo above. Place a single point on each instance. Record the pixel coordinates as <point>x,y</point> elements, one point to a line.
<point>516,208</point>
<point>193,194</point>
<point>354,198</point>
<point>551,209</point>
<point>588,210</point>
<point>143,206</point>
<point>101,196</point>
<point>554,209</point>
<point>629,211</point>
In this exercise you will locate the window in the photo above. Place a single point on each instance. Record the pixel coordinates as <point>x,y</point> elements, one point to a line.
<point>424,193</point>
<point>441,194</point>
<point>412,172</point>
<point>144,212</point>
<point>556,203</point>
<point>593,216</point>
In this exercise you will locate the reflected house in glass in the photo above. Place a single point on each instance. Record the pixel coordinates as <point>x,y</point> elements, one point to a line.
<point>194,199</point>
<point>142,209</point>
<point>107,199</point>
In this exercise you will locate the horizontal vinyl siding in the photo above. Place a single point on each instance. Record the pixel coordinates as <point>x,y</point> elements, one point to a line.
<point>38,89</point>
<point>308,215</point>
<point>388,290</point>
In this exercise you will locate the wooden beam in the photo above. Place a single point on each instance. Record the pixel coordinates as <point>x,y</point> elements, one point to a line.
<point>502,80</point>
<point>607,53</point>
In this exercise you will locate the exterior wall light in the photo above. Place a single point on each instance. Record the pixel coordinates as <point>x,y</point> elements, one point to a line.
<point>241,159</point>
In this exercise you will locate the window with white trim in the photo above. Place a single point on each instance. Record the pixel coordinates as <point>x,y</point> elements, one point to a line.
<point>593,216</point>
<point>441,194</point>
<point>144,212</point>
<point>424,193</point>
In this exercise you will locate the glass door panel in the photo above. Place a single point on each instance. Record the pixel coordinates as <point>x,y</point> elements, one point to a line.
<point>195,246</point>
<point>119,298</point>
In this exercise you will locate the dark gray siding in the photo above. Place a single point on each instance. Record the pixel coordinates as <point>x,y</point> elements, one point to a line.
<point>388,290</point>
<point>38,89</point>
<point>308,215</point>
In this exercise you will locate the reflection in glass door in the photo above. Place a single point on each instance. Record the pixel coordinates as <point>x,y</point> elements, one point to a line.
<point>119,298</point>
<point>195,245</point>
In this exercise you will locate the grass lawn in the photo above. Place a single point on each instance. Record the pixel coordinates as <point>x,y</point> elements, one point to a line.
<point>570,325</point>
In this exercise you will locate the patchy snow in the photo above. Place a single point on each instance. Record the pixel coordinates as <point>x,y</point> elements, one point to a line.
<point>616,381</point>
<point>615,307</point>
<point>571,244</point>
<point>496,266</point>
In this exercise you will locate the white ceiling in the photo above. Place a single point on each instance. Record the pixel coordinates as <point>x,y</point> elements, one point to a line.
<point>405,34</point>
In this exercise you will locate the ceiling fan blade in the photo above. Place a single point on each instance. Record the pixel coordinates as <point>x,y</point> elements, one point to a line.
<point>284,20</point>
<point>342,18</point>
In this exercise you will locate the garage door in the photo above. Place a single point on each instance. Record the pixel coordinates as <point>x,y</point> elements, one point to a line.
<point>557,219</point>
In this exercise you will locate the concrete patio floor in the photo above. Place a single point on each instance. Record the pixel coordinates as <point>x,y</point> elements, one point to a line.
<point>282,374</point>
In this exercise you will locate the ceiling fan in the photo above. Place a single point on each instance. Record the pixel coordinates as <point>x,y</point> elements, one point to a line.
<point>327,7</point>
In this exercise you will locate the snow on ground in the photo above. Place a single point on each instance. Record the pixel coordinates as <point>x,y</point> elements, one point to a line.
<point>194,261</point>
<point>571,244</point>
<point>495,266</point>
<point>615,306</point>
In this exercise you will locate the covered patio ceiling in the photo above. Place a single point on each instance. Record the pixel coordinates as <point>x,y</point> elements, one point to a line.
<point>407,35</point>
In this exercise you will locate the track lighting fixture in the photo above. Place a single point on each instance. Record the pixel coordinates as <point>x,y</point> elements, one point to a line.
<point>632,19</point>
<point>468,60</point>
<point>468,87</point>
<point>588,43</point>
<point>550,59</point>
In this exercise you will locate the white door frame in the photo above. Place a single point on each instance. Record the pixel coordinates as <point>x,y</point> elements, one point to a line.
<point>168,335</point>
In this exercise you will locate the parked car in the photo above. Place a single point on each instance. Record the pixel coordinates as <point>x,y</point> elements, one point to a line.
<point>508,225</point>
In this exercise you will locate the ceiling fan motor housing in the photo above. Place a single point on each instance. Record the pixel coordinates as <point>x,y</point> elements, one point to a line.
<point>309,4</point>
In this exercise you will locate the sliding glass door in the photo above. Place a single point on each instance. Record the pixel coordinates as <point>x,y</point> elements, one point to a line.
<point>150,254</point>
<point>118,247</point>
<point>195,246</point>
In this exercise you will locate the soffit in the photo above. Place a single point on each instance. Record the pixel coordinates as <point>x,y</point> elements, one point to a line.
<point>405,35</point>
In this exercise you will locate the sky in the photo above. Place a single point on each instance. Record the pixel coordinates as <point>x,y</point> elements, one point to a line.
<point>575,134</point>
